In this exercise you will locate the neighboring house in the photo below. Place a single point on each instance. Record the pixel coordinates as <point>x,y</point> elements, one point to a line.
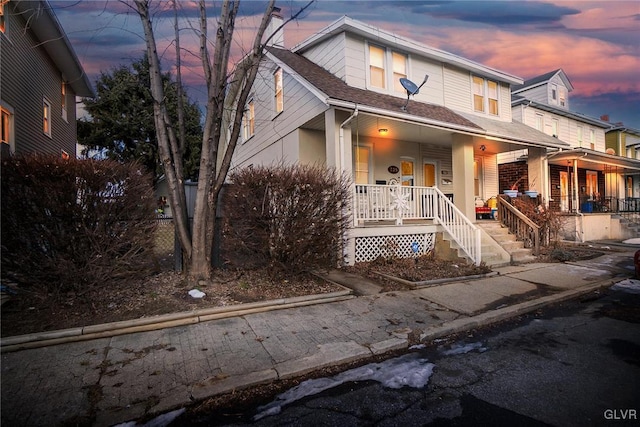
<point>337,99</point>
<point>584,179</point>
<point>39,81</point>
<point>624,141</point>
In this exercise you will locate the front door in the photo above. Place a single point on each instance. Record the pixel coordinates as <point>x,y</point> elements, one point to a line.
<point>429,175</point>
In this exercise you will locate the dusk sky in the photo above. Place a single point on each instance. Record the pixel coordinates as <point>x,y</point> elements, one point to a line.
<point>596,43</point>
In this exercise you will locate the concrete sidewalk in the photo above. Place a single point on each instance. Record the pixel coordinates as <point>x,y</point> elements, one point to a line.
<point>110,380</point>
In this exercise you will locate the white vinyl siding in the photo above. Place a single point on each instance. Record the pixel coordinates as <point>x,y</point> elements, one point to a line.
<point>329,55</point>
<point>457,90</point>
<point>272,135</point>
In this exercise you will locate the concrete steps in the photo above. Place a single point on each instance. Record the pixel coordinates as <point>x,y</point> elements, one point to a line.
<point>515,249</point>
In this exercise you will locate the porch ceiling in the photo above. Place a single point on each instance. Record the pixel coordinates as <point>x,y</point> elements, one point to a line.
<point>368,125</point>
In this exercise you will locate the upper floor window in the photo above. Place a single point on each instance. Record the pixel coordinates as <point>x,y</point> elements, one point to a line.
<point>63,96</point>
<point>539,122</point>
<point>248,121</point>
<point>5,126</point>
<point>563,97</point>
<point>279,94</point>
<point>485,96</point>
<point>554,93</point>
<point>399,70</point>
<point>554,128</point>
<point>381,60</point>
<point>376,66</point>
<point>580,136</point>
<point>592,139</point>
<point>46,117</point>
<point>3,17</point>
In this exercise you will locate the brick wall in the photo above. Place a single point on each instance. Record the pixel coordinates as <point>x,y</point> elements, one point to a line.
<point>508,173</point>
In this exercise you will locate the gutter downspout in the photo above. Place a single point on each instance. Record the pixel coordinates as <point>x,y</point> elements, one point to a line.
<point>341,137</point>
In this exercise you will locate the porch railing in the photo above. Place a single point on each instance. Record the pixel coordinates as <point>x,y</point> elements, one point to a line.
<point>401,203</point>
<point>519,224</point>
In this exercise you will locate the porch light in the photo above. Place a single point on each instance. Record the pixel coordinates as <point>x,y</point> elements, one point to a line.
<point>383,131</point>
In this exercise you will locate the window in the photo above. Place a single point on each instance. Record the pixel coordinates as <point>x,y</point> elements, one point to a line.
<point>563,97</point>
<point>554,127</point>
<point>477,177</point>
<point>592,184</point>
<point>554,94</point>
<point>361,161</point>
<point>3,18</point>
<point>580,136</point>
<point>376,66</point>
<point>46,117</point>
<point>482,103</point>
<point>399,70</point>
<point>539,122</point>
<point>406,167</point>
<point>592,139</point>
<point>248,121</point>
<point>492,95</point>
<point>6,121</point>
<point>63,95</point>
<point>478,94</point>
<point>279,95</point>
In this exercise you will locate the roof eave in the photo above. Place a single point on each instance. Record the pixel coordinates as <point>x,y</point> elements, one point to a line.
<point>54,41</point>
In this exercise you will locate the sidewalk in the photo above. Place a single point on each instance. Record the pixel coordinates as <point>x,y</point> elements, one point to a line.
<point>110,380</point>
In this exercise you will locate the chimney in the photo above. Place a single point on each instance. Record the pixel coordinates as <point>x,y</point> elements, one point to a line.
<point>604,117</point>
<point>278,34</point>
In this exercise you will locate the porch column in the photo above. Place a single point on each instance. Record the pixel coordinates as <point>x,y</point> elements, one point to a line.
<point>538,171</point>
<point>331,138</point>
<point>462,170</point>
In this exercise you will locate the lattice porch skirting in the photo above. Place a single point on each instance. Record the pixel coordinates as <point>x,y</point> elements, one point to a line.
<point>401,246</point>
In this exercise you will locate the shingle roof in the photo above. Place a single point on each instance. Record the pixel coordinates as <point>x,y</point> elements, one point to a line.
<point>337,89</point>
<point>535,80</point>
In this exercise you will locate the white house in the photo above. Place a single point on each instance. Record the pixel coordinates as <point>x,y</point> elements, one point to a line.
<point>338,99</point>
<point>591,177</point>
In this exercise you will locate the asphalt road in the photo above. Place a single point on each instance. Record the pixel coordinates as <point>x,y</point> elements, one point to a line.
<point>575,364</point>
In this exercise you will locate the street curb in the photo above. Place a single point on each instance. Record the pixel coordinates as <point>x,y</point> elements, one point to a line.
<point>427,283</point>
<point>106,330</point>
<point>494,316</point>
<point>391,345</point>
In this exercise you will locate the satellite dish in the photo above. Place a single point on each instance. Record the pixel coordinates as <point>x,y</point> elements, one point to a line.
<point>411,88</point>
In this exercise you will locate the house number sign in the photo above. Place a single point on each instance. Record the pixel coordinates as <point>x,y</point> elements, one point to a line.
<point>393,169</point>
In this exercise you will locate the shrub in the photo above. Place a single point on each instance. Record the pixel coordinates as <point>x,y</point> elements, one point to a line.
<point>289,217</point>
<point>549,220</point>
<point>73,224</point>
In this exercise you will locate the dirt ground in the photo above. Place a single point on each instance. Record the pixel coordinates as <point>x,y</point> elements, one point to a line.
<point>32,310</point>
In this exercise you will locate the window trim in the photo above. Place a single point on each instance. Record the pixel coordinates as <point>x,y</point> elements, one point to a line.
<point>369,148</point>
<point>3,17</point>
<point>63,101</point>
<point>370,84</point>
<point>278,90</point>
<point>46,117</point>
<point>484,97</point>
<point>8,112</point>
<point>248,121</point>
<point>390,78</point>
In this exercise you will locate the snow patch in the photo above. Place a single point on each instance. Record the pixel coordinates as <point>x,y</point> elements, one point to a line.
<point>463,349</point>
<point>634,241</point>
<point>159,421</point>
<point>410,370</point>
<point>630,286</point>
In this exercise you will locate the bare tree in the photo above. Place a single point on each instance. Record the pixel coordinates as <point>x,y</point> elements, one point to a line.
<point>226,96</point>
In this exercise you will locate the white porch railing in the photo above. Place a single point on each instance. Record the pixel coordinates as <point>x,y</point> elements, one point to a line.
<point>400,203</point>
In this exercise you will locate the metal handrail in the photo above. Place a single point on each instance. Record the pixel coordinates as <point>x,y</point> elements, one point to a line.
<point>519,224</point>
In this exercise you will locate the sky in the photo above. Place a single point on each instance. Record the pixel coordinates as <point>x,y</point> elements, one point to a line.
<point>596,43</point>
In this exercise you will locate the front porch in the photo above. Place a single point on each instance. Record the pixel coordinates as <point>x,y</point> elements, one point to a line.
<point>404,221</point>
